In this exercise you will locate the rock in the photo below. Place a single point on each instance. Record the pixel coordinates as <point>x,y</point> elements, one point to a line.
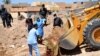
<point>12,46</point>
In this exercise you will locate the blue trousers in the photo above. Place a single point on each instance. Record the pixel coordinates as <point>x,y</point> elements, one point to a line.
<point>36,49</point>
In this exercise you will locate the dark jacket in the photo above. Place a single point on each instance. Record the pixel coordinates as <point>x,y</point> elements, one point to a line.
<point>43,11</point>
<point>3,13</point>
<point>9,17</point>
<point>57,22</point>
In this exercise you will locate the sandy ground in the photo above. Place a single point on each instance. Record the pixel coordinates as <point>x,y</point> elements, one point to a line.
<point>13,40</point>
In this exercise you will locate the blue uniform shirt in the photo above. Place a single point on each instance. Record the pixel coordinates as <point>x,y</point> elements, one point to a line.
<point>32,37</point>
<point>40,24</point>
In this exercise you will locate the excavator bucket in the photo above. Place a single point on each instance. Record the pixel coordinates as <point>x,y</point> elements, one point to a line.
<point>69,40</point>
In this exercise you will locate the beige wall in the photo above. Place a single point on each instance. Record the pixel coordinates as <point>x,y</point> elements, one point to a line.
<point>18,9</point>
<point>15,15</point>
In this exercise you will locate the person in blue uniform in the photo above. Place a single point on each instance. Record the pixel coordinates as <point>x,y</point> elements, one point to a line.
<point>40,31</point>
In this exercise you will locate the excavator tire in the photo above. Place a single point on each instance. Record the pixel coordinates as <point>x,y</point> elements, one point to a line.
<point>92,33</point>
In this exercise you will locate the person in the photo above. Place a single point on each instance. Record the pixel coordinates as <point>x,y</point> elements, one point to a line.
<point>57,21</point>
<point>3,15</point>
<point>43,11</point>
<point>9,20</point>
<point>32,40</point>
<point>40,31</point>
<point>19,14</point>
<point>29,23</point>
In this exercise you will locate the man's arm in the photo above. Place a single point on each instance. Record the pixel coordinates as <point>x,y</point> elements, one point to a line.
<point>11,17</point>
<point>61,22</point>
<point>0,12</point>
<point>46,10</point>
<point>54,23</point>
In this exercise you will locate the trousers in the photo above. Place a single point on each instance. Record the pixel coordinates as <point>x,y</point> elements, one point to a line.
<point>36,49</point>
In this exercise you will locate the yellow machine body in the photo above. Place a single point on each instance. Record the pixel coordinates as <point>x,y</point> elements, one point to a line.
<point>74,35</point>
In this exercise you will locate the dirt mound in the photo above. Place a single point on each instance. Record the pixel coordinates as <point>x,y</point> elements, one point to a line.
<point>52,41</point>
<point>13,40</point>
<point>13,37</point>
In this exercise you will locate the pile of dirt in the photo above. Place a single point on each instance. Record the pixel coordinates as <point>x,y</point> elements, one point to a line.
<point>51,41</point>
<point>13,40</point>
<point>14,37</point>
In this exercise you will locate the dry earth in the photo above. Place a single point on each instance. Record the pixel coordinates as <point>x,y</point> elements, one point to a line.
<point>13,40</point>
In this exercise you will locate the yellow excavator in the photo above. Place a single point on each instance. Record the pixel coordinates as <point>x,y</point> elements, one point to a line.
<point>85,30</point>
<point>77,31</point>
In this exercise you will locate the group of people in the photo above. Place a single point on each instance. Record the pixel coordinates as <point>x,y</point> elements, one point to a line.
<point>35,34</point>
<point>36,31</point>
<point>6,17</point>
